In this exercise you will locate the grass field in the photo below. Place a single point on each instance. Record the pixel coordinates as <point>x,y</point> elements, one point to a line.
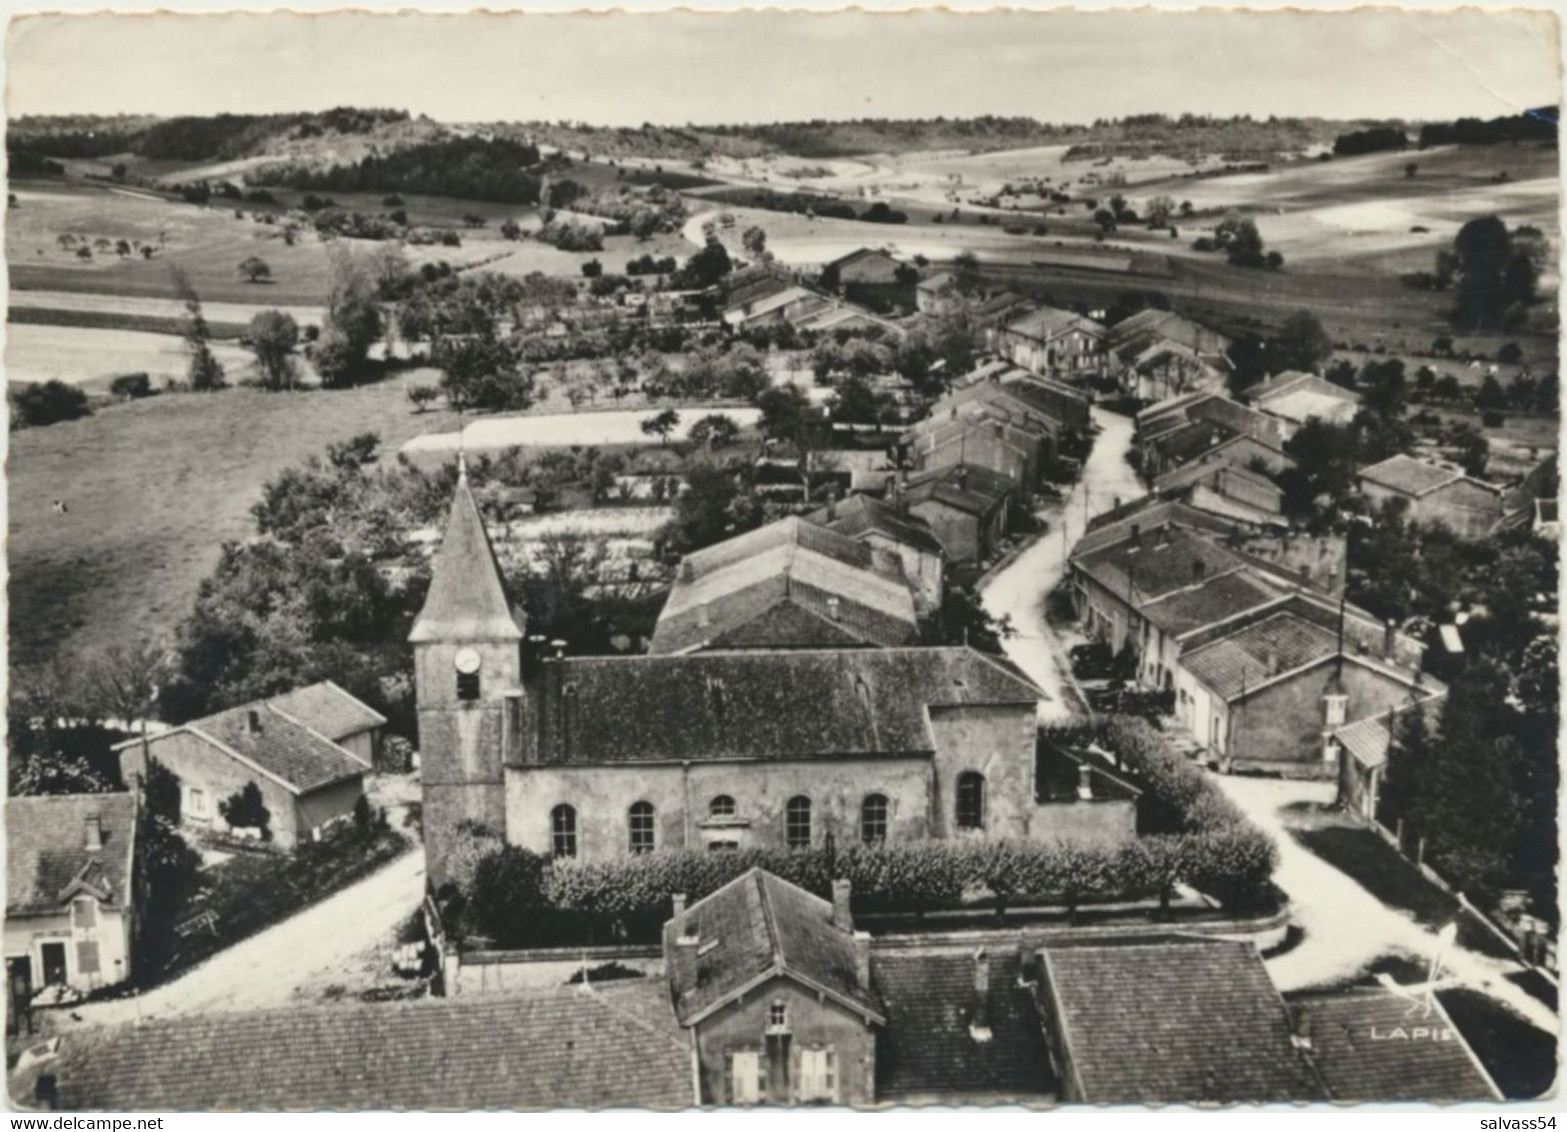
<point>87,357</point>
<point>153,489</point>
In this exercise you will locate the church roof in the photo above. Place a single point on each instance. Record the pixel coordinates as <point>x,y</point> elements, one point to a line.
<point>760,706</point>
<point>466,599</point>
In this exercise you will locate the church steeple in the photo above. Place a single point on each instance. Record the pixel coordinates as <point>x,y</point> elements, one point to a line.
<point>467,601</point>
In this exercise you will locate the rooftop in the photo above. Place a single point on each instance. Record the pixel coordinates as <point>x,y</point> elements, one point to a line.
<point>758,926</point>
<point>927,1047</point>
<point>287,750</point>
<point>1374,1045</point>
<point>1161,560</point>
<point>1367,740</point>
<point>326,708</point>
<point>1258,653</point>
<point>1178,1019</point>
<point>861,514</point>
<point>1209,601</point>
<point>1048,322</point>
<point>466,600</point>
<point>47,857</point>
<point>1412,476</point>
<point>967,487</point>
<point>765,705</point>
<point>616,1045</point>
<point>848,592</point>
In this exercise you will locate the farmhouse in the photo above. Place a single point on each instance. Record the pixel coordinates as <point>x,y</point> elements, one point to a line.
<point>308,782</point>
<point>1161,354</point>
<point>72,889</point>
<point>1295,398</point>
<point>967,507</point>
<point>1435,493</point>
<point>1061,408</point>
<point>865,267</point>
<point>1053,342</point>
<point>985,439</point>
<point>889,526</point>
<point>593,757</point>
<point>1232,492</point>
<point>790,584</point>
<point>938,295</point>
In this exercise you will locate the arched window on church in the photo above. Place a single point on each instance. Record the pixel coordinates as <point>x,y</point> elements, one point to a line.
<point>640,818</point>
<point>797,823</point>
<point>563,831</point>
<point>873,819</point>
<point>971,800</point>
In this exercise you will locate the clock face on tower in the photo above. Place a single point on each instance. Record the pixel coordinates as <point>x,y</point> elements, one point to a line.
<point>467,661</point>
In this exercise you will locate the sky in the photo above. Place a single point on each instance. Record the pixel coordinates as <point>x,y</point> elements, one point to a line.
<point>724,67</point>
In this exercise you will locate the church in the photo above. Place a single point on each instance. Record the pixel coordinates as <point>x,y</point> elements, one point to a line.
<point>597,757</point>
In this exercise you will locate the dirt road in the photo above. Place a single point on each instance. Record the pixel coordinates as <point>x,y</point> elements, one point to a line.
<point>265,969</point>
<point>1019,590</point>
<point>1347,928</point>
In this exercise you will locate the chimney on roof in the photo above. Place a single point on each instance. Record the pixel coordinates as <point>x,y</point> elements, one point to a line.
<point>862,959</point>
<point>679,902</point>
<point>92,835</point>
<point>842,917</point>
<point>703,619</point>
<point>1137,535</point>
<point>1272,662</point>
<point>834,609</point>
<point>979,1024</point>
<point>1300,1026</point>
<point>1199,569</point>
<point>962,477</point>
<point>687,571</point>
<point>253,721</point>
<point>560,648</point>
<point>1027,958</point>
<point>1000,429</point>
<point>832,506</point>
<point>682,958</point>
<point>1389,637</point>
<point>1085,782</point>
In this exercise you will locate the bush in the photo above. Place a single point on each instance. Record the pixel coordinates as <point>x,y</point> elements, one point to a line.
<point>130,385</point>
<point>48,403</point>
<point>244,809</point>
<point>1493,419</point>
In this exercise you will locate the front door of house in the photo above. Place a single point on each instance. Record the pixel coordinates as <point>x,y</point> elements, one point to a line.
<point>54,963</point>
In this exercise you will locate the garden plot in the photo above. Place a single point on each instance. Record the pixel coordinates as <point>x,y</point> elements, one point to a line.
<point>562,430</point>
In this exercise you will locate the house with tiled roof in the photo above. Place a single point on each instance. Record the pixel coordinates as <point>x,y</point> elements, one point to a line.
<point>1375,1044</point>
<point>308,781</point>
<point>1274,694</point>
<point>1233,493</point>
<point>967,507</point>
<point>888,525</point>
<point>937,294</point>
<point>1026,399</point>
<point>613,1045</point>
<point>1168,1020</point>
<point>72,890</point>
<point>962,1027</point>
<point>1171,434</point>
<point>790,584</point>
<point>1295,398</point>
<point>1434,492</point>
<point>1161,354</point>
<point>985,439</point>
<point>773,984</point>
<point>1056,343</point>
<point>1363,750</point>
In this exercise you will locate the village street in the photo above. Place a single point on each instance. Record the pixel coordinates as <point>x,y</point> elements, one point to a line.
<point>1018,590</point>
<point>266,969</point>
<point>1346,928</point>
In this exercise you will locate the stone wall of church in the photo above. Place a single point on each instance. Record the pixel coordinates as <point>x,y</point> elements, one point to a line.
<point>682,797</point>
<point>997,742</point>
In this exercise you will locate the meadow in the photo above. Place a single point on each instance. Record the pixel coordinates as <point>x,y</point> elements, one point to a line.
<point>153,488</point>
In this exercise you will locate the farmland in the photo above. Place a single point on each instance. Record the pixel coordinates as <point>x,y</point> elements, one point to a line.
<point>169,479</point>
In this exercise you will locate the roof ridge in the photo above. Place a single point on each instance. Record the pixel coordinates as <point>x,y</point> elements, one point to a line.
<point>774,940</point>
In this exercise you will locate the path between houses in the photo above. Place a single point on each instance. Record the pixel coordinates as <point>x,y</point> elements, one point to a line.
<point>1018,591</point>
<point>1346,928</point>
<point>265,969</point>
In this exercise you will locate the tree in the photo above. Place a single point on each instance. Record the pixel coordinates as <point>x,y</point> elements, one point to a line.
<point>716,430</point>
<point>510,229</point>
<point>1300,344</point>
<point>353,318</point>
<point>661,425</point>
<point>1411,169</point>
<point>856,402</point>
<point>245,809</point>
<point>755,241</point>
<point>37,404</point>
<point>707,266</point>
<point>1159,210</point>
<point>255,269</point>
<point>1105,219</point>
<point>1409,759</point>
<point>1244,245</point>
<point>423,396</point>
<point>965,272</point>
<point>206,372</point>
<point>1483,249</point>
<point>592,269</point>
<point>479,371</point>
<point>273,336</point>
<point>712,508</point>
<point>122,679</point>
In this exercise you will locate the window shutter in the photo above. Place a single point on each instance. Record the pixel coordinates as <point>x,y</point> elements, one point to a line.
<point>729,1076</point>
<point>87,957</point>
<point>762,1063</point>
<point>830,1074</point>
<point>796,1078</point>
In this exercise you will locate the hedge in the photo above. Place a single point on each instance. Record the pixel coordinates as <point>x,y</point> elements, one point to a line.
<point>1193,835</point>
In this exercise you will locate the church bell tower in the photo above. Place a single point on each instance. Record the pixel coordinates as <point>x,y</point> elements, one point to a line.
<point>467,644</point>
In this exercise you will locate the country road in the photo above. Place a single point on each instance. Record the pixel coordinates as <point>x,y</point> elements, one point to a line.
<point>265,969</point>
